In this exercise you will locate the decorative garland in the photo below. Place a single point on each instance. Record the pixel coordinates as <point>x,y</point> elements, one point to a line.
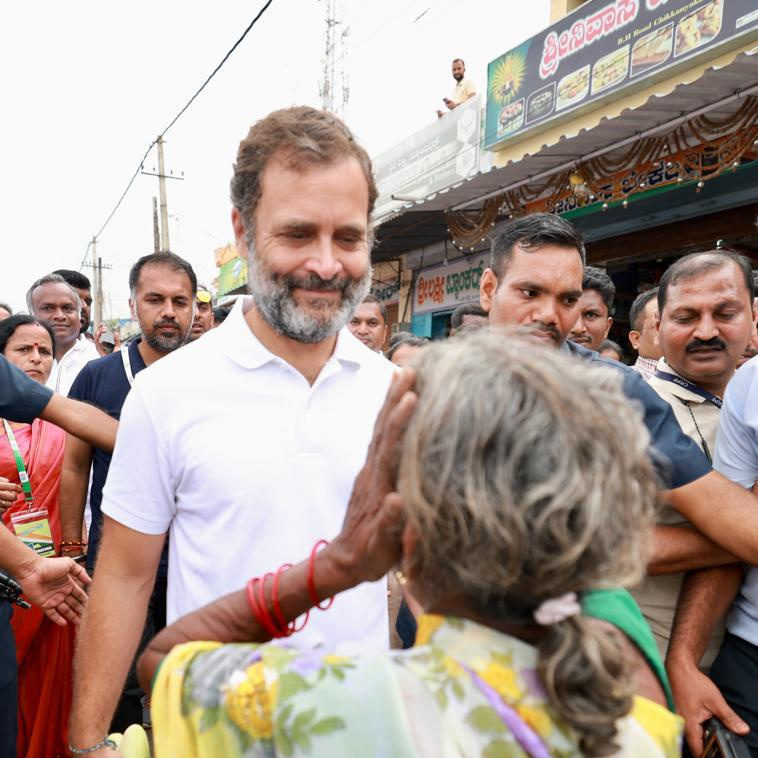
<point>470,227</point>
<point>700,149</point>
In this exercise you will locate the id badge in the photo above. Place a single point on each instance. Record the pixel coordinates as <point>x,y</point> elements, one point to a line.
<point>33,529</point>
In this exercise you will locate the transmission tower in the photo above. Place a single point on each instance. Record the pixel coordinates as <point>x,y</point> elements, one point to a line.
<point>334,86</point>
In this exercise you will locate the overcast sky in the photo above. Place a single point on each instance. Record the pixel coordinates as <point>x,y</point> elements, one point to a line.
<point>88,85</point>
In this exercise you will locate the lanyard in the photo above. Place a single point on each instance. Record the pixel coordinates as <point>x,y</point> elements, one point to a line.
<point>127,364</point>
<point>23,477</point>
<point>684,384</point>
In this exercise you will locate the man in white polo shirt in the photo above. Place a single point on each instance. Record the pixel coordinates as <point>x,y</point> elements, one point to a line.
<point>245,444</point>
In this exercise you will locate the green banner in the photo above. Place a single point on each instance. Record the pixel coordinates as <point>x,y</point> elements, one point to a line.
<point>231,275</point>
<point>602,49</point>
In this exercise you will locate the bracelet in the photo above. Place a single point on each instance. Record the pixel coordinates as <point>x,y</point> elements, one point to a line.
<point>292,627</point>
<point>73,543</point>
<point>312,581</point>
<point>105,742</point>
<point>258,607</point>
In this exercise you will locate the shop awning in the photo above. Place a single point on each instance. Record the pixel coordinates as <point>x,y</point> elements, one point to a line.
<point>719,91</point>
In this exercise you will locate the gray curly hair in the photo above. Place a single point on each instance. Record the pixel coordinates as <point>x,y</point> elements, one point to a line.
<point>527,475</point>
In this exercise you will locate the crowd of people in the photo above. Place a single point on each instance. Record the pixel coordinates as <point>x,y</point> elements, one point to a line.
<point>561,543</point>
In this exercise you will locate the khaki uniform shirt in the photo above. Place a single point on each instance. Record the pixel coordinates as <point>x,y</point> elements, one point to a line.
<point>658,595</point>
<point>463,90</point>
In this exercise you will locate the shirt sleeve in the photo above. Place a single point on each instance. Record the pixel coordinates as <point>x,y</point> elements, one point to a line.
<point>139,492</point>
<point>21,398</point>
<point>736,454</point>
<point>82,386</point>
<point>677,457</point>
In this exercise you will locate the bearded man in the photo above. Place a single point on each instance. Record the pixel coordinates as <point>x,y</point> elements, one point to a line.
<point>281,383</point>
<point>162,287</point>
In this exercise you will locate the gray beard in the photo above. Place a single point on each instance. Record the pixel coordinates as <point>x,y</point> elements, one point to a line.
<point>272,294</point>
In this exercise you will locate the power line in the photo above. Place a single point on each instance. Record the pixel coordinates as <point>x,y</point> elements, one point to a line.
<point>173,121</point>
<point>218,68</point>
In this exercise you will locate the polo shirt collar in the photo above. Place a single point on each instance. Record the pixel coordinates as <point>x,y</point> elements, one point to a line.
<point>677,390</point>
<point>135,357</point>
<point>246,350</point>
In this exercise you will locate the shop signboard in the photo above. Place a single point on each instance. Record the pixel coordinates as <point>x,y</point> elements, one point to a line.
<point>443,287</point>
<point>231,275</point>
<point>386,292</point>
<point>601,50</point>
<point>434,158</point>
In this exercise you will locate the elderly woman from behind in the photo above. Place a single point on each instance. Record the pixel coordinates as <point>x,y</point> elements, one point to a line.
<point>520,486</point>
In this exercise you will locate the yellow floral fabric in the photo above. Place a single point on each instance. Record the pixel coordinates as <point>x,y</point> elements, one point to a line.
<point>454,695</point>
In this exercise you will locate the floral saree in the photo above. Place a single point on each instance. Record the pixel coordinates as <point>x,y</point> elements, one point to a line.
<point>463,691</point>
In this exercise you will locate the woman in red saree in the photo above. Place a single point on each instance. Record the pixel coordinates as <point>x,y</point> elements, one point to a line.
<point>44,650</point>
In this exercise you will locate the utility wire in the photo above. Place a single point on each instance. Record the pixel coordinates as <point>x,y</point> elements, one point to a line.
<point>173,121</point>
<point>218,68</point>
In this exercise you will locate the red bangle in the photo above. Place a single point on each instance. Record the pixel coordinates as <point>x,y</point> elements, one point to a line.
<point>260,612</point>
<point>292,627</point>
<point>311,579</point>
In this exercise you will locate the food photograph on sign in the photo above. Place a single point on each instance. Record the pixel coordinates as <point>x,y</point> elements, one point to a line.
<point>540,103</point>
<point>511,118</point>
<point>652,49</point>
<point>610,69</point>
<point>699,28</point>
<point>574,87</point>
<point>507,77</point>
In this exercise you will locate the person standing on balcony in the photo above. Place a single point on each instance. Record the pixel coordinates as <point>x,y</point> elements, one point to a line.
<point>464,88</point>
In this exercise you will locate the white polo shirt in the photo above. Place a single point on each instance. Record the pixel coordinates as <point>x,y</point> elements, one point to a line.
<point>73,361</point>
<point>229,448</point>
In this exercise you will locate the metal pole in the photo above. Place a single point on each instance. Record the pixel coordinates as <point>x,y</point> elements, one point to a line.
<point>165,246</point>
<point>94,276</point>
<point>156,230</point>
<point>99,297</point>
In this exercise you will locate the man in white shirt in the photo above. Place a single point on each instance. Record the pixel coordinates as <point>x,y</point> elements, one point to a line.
<point>246,443</point>
<point>464,88</point>
<point>83,287</point>
<point>53,300</point>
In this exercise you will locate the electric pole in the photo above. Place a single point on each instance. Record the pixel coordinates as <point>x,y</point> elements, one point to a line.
<point>162,176</point>
<point>156,232</point>
<point>99,295</point>
<point>95,259</point>
<point>97,275</point>
<point>165,246</point>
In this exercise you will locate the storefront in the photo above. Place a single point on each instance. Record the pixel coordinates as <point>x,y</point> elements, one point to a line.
<point>439,290</point>
<point>385,287</point>
<point>636,119</point>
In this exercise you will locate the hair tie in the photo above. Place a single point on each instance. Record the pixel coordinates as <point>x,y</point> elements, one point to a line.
<point>557,609</point>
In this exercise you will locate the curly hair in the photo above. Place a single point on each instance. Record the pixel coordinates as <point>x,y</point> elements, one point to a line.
<point>527,475</point>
